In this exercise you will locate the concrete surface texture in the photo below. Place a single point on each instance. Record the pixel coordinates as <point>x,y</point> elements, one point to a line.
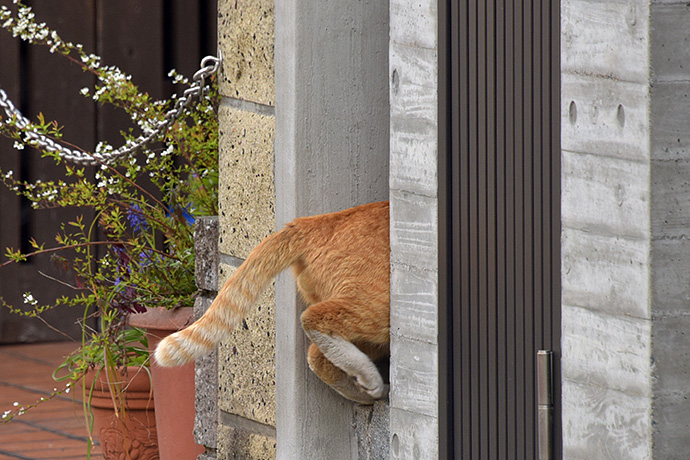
<point>624,240</point>
<point>413,77</point>
<point>331,153</point>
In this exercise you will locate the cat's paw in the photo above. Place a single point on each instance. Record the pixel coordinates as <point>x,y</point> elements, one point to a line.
<point>371,385</point>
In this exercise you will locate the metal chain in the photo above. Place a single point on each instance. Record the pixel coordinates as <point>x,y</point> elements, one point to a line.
<point>209,66</point>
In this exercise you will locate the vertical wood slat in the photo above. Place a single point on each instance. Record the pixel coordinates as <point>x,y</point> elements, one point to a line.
<point>447,190</point>
<point>462,253</point>
<point>502,158</point>
<point>140,52</point>
<point>468,200</point>
<point>10,217</point>
<point>501,235</point>
<point>29,78</point>
<point>480,307</point>
<point>510,107</point>
<point>491,226</point>
<point>554,231</point>
<point>518,211</point>
<point>9,161</point>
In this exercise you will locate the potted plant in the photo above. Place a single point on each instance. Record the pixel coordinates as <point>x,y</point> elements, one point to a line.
<point>117,393</point>
<point>137,252</point>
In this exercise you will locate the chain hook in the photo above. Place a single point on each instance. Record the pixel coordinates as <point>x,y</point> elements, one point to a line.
<point>209,66</point>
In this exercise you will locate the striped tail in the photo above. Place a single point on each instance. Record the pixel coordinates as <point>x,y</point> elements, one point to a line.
<point>235,299</point>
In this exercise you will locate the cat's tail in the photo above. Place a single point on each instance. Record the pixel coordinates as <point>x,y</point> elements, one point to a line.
<point>235,299</point>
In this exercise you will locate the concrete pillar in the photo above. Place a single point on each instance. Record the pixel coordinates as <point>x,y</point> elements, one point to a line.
<point>625,214</point>
<point>331,152</point>
<point>413,77</point>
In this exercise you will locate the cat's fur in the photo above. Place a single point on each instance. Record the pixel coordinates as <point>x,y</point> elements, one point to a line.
<point>341,264</point>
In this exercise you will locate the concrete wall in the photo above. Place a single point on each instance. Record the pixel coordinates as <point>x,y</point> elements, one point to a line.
<point>606,297</point>
<point>413,77</point>
<point>625,213</point>
<point>670,227</point>
<point>331,153</point>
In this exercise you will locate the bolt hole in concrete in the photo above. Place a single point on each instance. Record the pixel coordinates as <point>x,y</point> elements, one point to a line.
<point>572,112</point>
<point>395,445</point>
<point>395,81</point>
<point>620,115</point>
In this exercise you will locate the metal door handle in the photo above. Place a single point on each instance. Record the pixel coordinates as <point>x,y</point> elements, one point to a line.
<point>545,404</point>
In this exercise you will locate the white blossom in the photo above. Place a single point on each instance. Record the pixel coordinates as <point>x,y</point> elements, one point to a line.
<point>28,298</point>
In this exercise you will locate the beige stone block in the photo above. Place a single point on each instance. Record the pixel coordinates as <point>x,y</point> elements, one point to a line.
<point>246,40</point>
<point>239,444</point>
<point>246,362</point>
<point>247,193</point>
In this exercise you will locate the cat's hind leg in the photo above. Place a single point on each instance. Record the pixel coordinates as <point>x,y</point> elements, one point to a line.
<point>329,325</point>
<point>334,377</point>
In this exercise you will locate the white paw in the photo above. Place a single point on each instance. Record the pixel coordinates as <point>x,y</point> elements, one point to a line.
<point>371,385</point>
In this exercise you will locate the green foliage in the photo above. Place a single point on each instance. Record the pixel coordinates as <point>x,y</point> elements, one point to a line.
<point>137,251</point>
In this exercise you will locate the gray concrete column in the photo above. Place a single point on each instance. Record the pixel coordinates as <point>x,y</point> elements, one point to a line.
<point>331,152</point>
<point>626,237</point>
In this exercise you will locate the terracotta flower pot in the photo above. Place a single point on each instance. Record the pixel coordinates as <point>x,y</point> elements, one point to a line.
<point>132,433</point>
<point>173,388</point>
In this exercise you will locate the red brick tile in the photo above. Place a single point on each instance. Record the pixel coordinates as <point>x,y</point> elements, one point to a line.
<point>54,429</point>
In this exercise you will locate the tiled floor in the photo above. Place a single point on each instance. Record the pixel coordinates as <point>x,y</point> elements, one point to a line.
<point>54,429</point>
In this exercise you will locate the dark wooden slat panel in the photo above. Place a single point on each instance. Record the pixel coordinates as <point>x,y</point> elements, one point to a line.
<point>53,86</point>
<point>501,236</point>
<point>555,229</point>
<point>460,278</point>
<point>482,268</point>
<point>133,42</point>
<point>518,226</point>
<point>182,39</point>
<point>10,219</point>
<point>510,243</point>
<point>528,351</point>
<point>48,84</point>
<point>209,26</point>
<point>9,157</point>
<point>504,207</point>
<point>474,425</point>
<point>448,320</point>
<point>491,234</point>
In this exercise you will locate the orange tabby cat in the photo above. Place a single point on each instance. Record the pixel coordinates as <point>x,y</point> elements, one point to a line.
<point>341,263</point>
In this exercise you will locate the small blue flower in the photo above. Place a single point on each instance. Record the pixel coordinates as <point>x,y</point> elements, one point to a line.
<point>183,211</point>
<point>136,219</point>
<point>145,258</point>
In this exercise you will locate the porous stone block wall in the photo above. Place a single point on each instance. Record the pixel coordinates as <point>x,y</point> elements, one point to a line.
<point>242,423</point>
<point>206,370</point>
<point>334,87</point>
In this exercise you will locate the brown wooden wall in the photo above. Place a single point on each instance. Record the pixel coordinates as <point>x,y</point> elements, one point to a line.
<point>499,222</point>
<point>145,38</point>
